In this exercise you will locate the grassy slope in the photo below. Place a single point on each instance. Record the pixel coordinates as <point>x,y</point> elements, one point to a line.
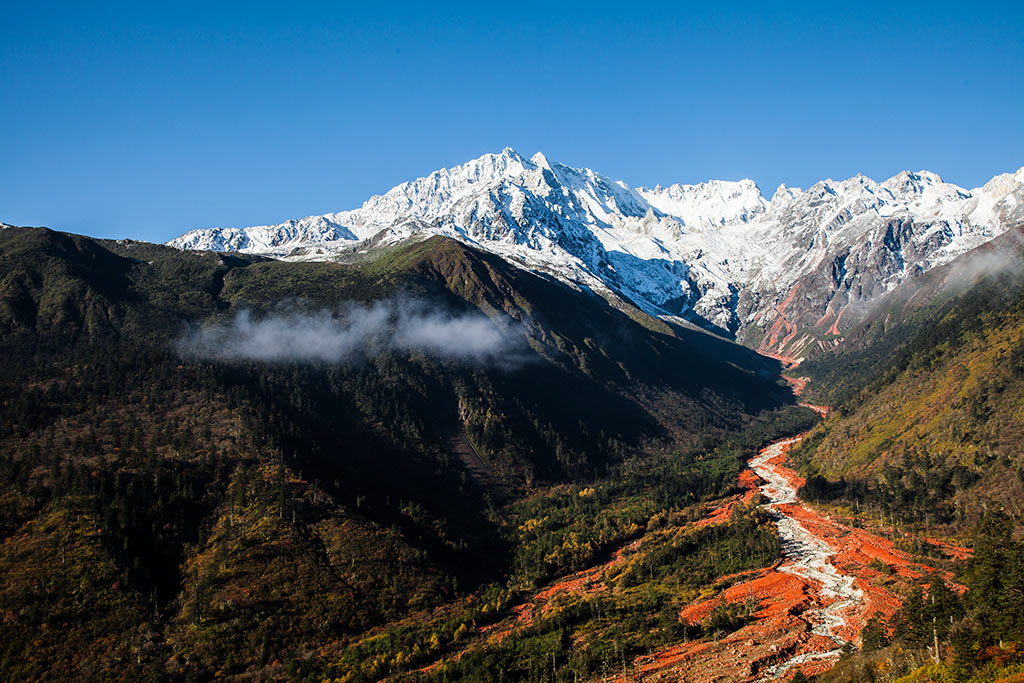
<point>927,433</point>
<point>929,410</point>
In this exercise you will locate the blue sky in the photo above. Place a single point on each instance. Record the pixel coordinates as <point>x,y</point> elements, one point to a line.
<point>139,121</point>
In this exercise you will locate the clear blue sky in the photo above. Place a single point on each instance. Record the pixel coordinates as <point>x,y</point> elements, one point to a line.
<point>143,121</point>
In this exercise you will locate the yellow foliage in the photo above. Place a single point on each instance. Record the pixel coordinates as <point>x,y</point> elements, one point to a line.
<point>933,673</point>
<point>531,525</point>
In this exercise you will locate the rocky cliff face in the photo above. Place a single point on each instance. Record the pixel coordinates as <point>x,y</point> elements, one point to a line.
<point>778,274</point>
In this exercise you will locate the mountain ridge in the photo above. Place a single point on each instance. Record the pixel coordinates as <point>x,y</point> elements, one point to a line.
<point>776,274</point>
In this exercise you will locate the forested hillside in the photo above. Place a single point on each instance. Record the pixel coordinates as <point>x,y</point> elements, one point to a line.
<point>171,508</point>
<point>929,396</point>
<point>433,465</point>
<point>925,438</point>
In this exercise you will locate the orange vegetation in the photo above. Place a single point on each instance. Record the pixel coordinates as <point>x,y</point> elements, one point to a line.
<point>820,410</point>
<point>585,582</point>
<point>783,604</point>
<point>954,551</point>
<point>797,383</point>
<point>835,325</point>
<point>723,512</point>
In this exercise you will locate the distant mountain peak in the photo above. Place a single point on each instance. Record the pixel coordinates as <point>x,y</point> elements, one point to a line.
<point>777,273</point>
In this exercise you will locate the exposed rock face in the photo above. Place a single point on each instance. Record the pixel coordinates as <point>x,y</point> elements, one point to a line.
<point>778,274</point>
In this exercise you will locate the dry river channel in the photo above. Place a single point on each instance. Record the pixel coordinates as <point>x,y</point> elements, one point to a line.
<point>804,556</point>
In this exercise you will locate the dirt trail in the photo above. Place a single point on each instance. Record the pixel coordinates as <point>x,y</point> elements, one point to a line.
<point>479,471</point>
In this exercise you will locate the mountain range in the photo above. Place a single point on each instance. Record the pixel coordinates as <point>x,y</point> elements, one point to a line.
<point>469,432</point>
<point>786,275</point>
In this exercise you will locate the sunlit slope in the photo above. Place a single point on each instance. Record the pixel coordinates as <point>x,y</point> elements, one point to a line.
<point>930,400</point>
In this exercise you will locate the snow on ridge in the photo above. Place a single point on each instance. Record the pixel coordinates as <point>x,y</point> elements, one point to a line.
<point>675,250</point>
<point>715,202</point>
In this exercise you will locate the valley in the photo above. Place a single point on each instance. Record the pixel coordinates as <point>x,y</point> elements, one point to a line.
<point>477,472</point>
<point>809,605</point>
<point>512,343</point>
<point>804,611</point>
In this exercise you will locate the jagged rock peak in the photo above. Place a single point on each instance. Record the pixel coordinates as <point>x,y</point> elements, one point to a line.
<point>716,252</point>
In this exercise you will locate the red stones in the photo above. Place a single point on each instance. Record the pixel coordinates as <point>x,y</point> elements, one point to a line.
<point>784,602</point>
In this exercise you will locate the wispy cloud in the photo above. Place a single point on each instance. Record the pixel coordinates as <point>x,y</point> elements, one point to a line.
<point>1002,255</point>
<point>356,332</point>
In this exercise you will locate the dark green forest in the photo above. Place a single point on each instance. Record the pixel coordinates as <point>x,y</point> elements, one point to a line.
<point>168,516</point>
<point>394,513</point>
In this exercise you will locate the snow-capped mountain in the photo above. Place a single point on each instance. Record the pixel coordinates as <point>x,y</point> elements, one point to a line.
<point>778,274</point>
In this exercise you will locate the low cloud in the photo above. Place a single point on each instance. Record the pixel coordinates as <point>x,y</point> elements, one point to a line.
<point>1002,255</point>
<point>357,332</point>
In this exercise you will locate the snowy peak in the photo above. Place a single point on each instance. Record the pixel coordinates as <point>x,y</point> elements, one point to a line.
<point>539,160</point>
<point>266,238</point>
<point>493,183</point>
<point>714,203</point>
<point>777,273</point>
<point>907,181</point>
<point>1004,183</point>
